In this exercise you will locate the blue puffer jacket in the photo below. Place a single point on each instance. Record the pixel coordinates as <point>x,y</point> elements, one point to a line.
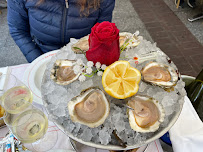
<point>37,29</point>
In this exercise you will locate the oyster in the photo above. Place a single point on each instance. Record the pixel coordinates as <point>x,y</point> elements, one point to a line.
<point>90,108</point>
<point>159,74</point>
<point>62,72</point>
<point>81,46</point>
<point>147,115</point>
<point>126,37</point>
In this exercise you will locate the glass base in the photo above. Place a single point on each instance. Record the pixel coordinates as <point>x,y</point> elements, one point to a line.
<point>45,144</point>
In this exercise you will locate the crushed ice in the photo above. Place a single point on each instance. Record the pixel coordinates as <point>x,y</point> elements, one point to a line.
<point>56,98</point>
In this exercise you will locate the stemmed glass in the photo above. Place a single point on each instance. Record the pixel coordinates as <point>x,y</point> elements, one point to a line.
<point>27,122</point>
<point>15,95</point>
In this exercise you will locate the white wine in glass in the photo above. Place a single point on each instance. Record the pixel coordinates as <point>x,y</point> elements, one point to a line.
<point>30,126</point>
<point>16,99</point>
<point>16,96</point>
<point>28,123</point>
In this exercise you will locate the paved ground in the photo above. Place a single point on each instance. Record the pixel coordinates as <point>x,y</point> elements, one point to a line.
<point>10,53</point>
<point>171,35</point>
<point>196,28</point>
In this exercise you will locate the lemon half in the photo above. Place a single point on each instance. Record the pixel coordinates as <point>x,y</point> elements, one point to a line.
<point>120,80</point>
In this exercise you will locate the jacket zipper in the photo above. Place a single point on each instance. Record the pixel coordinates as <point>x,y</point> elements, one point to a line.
<point>64,22</point>
<point>66,3</point>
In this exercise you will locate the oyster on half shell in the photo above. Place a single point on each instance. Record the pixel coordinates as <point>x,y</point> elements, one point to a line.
<point>81,46</point>
<point>90,108</point>
<point>126,37</point>
<point>147,115</point>
<point>159,74</point>
<point>62,72</point>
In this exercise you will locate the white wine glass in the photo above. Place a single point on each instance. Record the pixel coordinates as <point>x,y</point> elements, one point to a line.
<point>28,123</point>
<point>24,125</point>
<point>16,96</point>
<point>31,128</point>
<point>50,138</point>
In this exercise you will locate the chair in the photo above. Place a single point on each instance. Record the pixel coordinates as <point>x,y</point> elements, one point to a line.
<point>197,16</point>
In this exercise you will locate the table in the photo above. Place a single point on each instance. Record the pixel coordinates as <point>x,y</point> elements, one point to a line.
<point>63,141</point>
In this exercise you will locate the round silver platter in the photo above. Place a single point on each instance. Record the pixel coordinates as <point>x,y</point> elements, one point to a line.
<point>151,137</point>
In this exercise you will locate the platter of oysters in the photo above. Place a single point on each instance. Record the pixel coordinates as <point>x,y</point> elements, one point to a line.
<point>89,115</point>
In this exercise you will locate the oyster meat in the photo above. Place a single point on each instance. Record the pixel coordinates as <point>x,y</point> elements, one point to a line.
<point>62,72</point>
<point>126,37</point>
<point>81,46</point>
<point>90,108</point>
<point>159,74</point>
<point>147,115</point>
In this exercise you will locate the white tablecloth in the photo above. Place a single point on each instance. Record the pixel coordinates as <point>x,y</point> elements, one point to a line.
<point>187,133</point>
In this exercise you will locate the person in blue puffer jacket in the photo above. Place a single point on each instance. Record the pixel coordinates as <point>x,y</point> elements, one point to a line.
<point>39,26</point>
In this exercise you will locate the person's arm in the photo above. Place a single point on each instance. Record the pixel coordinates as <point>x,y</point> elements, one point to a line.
<point>106,10</point>
<point>19,28</point>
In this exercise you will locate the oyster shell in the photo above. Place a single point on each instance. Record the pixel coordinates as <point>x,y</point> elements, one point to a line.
<point>90,108</point>
<point>147,115</point>
<point>125,37</point>
<point>159,74</point>
<point>62,72</point>
<point>81,46</point>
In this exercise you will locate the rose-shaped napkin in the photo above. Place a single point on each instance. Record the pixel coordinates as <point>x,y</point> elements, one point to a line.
<point>104,43</point>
